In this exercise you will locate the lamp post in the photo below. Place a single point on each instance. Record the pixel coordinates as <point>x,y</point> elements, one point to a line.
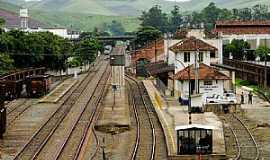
<point>265,69</point>
<point>189,91</point>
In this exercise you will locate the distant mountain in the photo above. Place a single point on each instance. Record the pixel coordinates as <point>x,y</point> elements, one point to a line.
<point>128,7</point>
<point>80,21</point>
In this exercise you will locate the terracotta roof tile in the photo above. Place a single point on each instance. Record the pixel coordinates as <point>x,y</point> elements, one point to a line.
<point>205,73</point>
<point>244,30</point>
<point>192,44</point>
<point>243,23</point>
<point>243,27</point>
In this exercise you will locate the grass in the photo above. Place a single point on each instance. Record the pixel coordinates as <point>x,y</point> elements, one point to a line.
<point>85,22</point>
<point>240,82</point>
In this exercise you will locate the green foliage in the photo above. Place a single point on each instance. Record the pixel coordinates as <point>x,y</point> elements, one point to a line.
<point>156,18</point>
<point>208,16</point>
<point>86,50</point>
<point>263,52</point>
<point>2,21</point>
<point>74,62</point>
<point>85,22</point>
<point>147,34</point>
<point>237,48</point>
<point>36,49</point>
<point>175,20</point>
<point>115,28</point>
<point>6,63</point>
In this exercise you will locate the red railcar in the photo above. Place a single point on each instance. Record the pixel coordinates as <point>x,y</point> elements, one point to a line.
<point>38,85</point>
<point>12,84</point>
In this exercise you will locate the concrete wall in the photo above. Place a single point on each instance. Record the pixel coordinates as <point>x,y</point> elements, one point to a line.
<point>118,74</point>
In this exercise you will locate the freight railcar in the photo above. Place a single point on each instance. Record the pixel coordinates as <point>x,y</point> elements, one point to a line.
<point>37,85</point>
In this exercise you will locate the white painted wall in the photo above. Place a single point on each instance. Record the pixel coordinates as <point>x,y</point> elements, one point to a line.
<point>199,34</point>
<point>168,53</point>
<point>62,32</point>
<point>180,57</point>
<point>182,87</point>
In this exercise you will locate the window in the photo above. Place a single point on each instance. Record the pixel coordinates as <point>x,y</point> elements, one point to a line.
<point>208,83</point>
<point>186,57</point>
<point>212,54</point>
<point>200,56</point>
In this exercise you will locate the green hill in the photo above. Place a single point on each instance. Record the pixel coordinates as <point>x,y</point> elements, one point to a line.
<point>81,21</point>
<point>128,7</point>
<point>87,14</point>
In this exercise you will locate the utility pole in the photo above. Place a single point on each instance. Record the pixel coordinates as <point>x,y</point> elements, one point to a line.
<point>265,70</point>
<point>155,50</point>
<point>196,69</point>
<point>189,97</point>
<point>265,67</point>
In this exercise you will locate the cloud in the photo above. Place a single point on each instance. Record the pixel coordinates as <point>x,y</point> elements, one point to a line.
<point>178,0</point>
<point>32,0</point>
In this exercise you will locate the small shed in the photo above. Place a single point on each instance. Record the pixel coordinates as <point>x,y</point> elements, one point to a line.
<point>194,139</point>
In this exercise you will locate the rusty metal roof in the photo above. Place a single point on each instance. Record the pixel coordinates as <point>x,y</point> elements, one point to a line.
<point>159,67</point>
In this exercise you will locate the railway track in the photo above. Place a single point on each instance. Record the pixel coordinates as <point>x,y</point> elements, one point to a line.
<point>72,147</point>
<point>246,146</point>
<point>32,149</point>
<point>150,140</point>
<point>15,110</point>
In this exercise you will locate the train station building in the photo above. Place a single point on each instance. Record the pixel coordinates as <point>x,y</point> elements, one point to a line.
<point>192,62</point>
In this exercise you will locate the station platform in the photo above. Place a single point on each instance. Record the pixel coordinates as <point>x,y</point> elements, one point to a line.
<point>172,114</point>
<point>114,117</point>
<point>59,91</point>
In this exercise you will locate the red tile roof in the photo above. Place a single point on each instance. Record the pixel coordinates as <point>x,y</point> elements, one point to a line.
<point>243,30</point>
<point>192,44</point>
<point>205,73</point>
<point>243,23</point>
<point>243,27</point>
<point>180,34</point>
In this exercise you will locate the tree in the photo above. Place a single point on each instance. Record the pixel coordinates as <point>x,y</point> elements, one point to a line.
<point>237,48</point>
<point>175,20</point>
<point>147,34</point>
<point>2,21</point>
<point>245,14</point>
<point>263,52</point>
<point>86,50</point>
<point>116,28</point>
<point>156,18</point>
<point>6,63</point>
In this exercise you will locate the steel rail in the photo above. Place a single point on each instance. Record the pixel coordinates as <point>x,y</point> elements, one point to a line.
<point>149,118</point>
<point>252,137</point>
<point>135,149</point>
<point>91,120</point>
<point>82,84</point>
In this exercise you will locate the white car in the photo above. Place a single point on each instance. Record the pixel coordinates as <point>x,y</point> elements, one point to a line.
<point>230,97</point>
<point>214,99</point>
<point>227,98</point>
